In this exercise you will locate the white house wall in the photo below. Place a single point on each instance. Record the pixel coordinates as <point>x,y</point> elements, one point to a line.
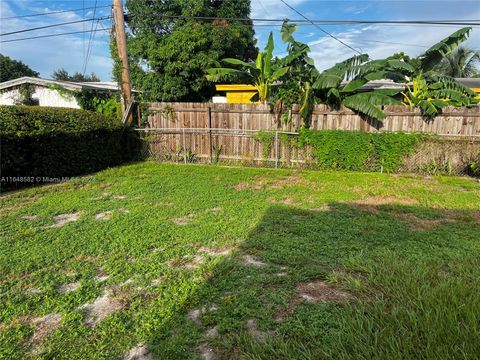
<point>45,96</point>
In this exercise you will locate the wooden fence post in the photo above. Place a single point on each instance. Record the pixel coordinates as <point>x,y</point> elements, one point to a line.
<point>209,120</point>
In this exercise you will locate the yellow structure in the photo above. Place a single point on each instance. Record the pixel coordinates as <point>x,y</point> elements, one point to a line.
<point>238,94</point>
<point>477,91</point>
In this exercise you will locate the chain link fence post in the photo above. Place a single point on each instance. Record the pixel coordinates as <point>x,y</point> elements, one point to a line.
<point>276,149</point>
<point>184,147</point>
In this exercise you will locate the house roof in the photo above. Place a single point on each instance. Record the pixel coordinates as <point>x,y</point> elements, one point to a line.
<point>69,85</point>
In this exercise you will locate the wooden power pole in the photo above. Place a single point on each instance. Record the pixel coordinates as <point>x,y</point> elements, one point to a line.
<point>121,39</point>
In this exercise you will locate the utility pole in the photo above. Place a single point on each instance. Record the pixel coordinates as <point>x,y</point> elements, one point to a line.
<point>121,39</point>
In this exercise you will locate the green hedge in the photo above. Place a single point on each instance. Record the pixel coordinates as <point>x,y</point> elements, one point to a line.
<point>58,142</point>
<point>358,151</point>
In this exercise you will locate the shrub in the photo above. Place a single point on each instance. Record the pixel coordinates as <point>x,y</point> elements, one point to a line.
<point>58,142</point>
<point>358,151</point>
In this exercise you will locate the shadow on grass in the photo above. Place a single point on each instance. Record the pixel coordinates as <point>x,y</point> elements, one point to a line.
<point>411,275</point>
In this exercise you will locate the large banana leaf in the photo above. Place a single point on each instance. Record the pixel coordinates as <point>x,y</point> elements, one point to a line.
<point>354,85</point>
<point>239,62</point>
<point>366,103</point>
<point>396,64</point>
<point>217,74</point>
<point>268,56</point>
<point>447,82</point>
<point>287,31</point>
<point>279,73</point>
<point>437,52</point>
<point>345,70</point>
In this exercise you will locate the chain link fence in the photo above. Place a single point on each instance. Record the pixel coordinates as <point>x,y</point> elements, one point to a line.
<point>281,149</point>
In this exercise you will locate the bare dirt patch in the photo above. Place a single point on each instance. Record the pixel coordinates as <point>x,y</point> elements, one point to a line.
<point>385,200</point>
<point>216,209</point>
<point>253,261</point>
<point>32,291</point>
<point>255,332</point>
<point>212,332</point>
<point>370,204</point>
<point>206,352</point>
<point>286,201</point>
<point>63,219</point>
<point>66,288</point>
<point>222,251</point>
<point>139,352</point>
<point>265,182</point>
<point>312,292</point>
<point>29,217</point>
<point>124,211</point>
<point>192,262</point>
<point>118,197</point>
<point>419,224</point>
<point>100,309</point>
<point>101,277</point>
<point>195,314</point>
<point>290,181</point>
<point>104,216</point>
<point>184,220</point>
<point>44,326</point>
<point>320,291</point>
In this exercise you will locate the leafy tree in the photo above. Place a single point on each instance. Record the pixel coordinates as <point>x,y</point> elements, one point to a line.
<point>262,73</point>
<point>169,50</point>
<point>63,75</point>
<point>12,69</point>
<point>461,63</point>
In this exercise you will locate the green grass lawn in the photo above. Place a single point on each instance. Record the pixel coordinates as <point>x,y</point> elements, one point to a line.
<point>226,263</point>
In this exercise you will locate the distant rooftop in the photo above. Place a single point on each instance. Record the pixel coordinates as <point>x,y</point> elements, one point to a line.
<point>69,85</point>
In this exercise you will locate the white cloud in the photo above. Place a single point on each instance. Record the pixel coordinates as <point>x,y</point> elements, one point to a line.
<point>327,51</point>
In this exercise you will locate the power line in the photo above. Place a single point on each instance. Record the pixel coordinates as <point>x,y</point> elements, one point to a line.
<point>51,12</point>
<point>405,22</point>
<point>372,41</point>
<point>50,35</point>
<point>90,38</point>
<point>322,30</point>
<point>53,25</point>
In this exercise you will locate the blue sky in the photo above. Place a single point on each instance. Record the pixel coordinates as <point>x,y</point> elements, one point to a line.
<point>46,55</point>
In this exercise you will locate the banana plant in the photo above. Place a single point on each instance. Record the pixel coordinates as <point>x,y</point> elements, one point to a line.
<point>428,90</point>
<point>340,85</point>
<point>262,74</point>
<point>297,86</point>
<point>426,87</point>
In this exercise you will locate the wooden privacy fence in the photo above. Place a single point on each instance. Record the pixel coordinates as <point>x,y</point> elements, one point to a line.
<point>460,122</point>
<point>254,135</point>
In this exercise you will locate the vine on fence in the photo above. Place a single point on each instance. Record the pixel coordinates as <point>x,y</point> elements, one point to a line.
<point>266,138</point>
<point>359,151</point>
